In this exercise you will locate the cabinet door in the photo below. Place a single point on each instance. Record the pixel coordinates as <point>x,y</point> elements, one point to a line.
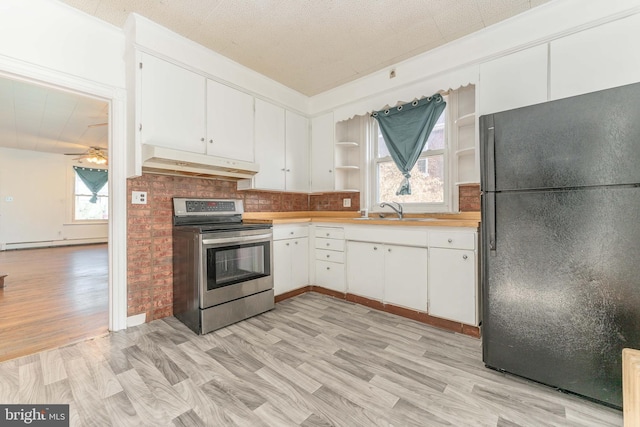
<point>453,285</point>
<point>297,152</point>
<point>514,80</point>
<point>365,269</point>
<point>322,140</point>
<point>229,122</point>
<point>269,146</point>
<point>405,276</point>
<point>172,105</point>
<point>299,263</point>
<point>330,275</point>
<point>282,273</point>
<point>598,58</point>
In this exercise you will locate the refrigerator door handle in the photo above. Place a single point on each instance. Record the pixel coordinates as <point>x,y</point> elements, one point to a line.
<point>487,132</point>
<point>490,218</point>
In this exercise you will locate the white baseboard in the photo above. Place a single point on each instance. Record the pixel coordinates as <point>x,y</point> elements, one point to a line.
<point>52,243</point>
<point>136,319</point>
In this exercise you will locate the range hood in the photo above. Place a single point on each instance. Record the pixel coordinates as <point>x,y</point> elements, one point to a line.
<point>175,162</point>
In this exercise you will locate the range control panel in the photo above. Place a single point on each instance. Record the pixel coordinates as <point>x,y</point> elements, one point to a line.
<point>206,207</point>
<point>210,206</point>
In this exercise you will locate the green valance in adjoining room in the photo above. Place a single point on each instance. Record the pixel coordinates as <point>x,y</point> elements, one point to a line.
<point>94,179</point>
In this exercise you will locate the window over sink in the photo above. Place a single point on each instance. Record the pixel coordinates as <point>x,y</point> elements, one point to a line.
<point>448,159</point>
<point>428,177</point>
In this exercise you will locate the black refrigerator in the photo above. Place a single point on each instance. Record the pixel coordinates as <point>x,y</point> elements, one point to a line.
<point>561,240</point>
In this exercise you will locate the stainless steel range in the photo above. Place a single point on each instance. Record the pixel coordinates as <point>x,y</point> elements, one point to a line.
<point>221,266</point>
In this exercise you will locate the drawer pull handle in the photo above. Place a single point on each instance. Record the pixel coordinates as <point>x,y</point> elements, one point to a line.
<point>327,234</point>
<point>464,257</point>
<point>328,244</point>
<point>375,248</point>
<point>450,240</point>
<point>328,268</point>
<point>291,233</point>
<point>328,256</point>
<point>296,242</point>
<point>389,249</point>
<point>287,243</point>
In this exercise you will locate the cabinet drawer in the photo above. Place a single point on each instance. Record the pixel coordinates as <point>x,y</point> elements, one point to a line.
<point>331,256</point>
<point>330,232</point>
<point>453,240</point>
<point>331,276</point>
<point>330,244</point>
<point>290,231</point>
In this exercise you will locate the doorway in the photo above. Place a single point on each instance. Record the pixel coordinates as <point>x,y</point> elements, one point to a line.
<point>114,99</point>
<point>53,171</point>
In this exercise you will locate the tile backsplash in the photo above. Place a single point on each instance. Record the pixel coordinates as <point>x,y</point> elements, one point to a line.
<point>469,198</point>
<point>149,242</point>
<point>334,201</point>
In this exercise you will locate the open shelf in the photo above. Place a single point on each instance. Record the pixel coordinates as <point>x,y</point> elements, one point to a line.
<point>465,151</point>
<point>347,144</point>
<point>467,183</point>
<point>466,120</point>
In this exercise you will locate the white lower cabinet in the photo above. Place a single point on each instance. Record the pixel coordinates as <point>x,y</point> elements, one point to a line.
<point>452,288</point>
<point>329,258</point>
<point>290,259</point>
<point>405,276</point>
<point>453,277</point>
<point>391,273</point>
<point>365,269</point>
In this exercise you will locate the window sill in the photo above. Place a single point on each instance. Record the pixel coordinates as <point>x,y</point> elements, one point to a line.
<point>88,222</point>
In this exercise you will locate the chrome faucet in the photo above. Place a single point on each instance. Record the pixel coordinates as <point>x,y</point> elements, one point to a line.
<point>397,210</point>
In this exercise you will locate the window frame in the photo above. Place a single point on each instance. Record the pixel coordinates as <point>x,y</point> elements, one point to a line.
<point>375,161</point>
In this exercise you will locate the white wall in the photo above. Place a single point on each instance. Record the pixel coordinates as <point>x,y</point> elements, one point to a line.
<point>40,213</point>
<point>53,36</point>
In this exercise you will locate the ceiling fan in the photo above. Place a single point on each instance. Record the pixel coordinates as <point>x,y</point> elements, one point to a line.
<point>95,155</point>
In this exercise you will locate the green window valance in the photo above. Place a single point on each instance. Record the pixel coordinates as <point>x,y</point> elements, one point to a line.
<point>94,179</point>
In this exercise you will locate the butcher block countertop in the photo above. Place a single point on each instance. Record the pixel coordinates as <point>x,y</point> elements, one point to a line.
<point>463,219</point>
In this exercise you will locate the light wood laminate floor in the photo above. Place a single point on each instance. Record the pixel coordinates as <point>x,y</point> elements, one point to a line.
<point>313,361</point>
<point>52,297</point>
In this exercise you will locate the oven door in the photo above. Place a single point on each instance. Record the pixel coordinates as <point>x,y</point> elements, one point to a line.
<point>234,265</point>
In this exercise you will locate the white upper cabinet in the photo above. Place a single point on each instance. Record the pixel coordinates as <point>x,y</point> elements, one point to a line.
<point>297,152</point>
<point>229,122</point>
<point>598,58</point>
<point>282,150</point>
<point>269,146</point>
<point>514,81</point>
<point>172,106</point>
<point>322,140</point>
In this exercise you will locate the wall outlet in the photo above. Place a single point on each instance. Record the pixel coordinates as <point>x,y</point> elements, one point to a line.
<point>8,199</point>
<point>346,203</point>
<point>139,197</point>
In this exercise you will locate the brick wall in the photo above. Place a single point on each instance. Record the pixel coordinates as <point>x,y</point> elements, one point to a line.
<point>469,198</point>
<point>149,243</point>
<point>334,201</point>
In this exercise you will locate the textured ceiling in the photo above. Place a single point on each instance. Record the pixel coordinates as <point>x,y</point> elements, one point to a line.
<point>314,45</point>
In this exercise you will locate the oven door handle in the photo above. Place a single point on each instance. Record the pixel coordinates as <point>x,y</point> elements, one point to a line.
<point>240,239</point>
